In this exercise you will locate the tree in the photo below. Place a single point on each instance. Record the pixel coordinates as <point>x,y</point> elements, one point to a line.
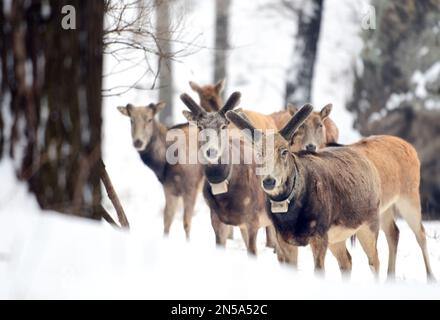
<point>221,38</point>
<point>51,90</point>
<point>397,89</point>
<point>163,36</point>
<point>300,72</point>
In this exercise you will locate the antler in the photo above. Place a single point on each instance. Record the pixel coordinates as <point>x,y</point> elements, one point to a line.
<point>243,123</point>
<point>191,104</point>
<point>296,121</point>
<point>232,102</point>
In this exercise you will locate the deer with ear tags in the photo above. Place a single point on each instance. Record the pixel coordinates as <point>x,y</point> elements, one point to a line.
<point>179,181</point>
<point>319,199</point>
<point>231,189</point>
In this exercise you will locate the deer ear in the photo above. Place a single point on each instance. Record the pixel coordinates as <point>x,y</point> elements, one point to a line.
<point>158,107</point>
<point>189,116</point>
<point>325,112</point>
<point>220,86</point>
<point>123,110</point>
<point>195,86</point>
<point>292,108</point>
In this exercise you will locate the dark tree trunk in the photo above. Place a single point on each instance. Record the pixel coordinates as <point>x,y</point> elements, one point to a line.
<point>163,35</point>
<point>300,73</point>
<point>221,39</point>
<point>52,81</point>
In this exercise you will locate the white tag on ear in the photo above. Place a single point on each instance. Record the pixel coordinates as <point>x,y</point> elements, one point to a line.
<point>279,206</point>
<point>219,188</point>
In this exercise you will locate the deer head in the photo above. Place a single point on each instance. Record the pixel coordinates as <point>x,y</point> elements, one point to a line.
<point>210,95</point>
<point>142,122</point>
<point>278,181</point>
<point>211,125</point>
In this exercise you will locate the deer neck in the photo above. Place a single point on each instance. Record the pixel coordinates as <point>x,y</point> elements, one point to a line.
<point>154,154</point>
<point>293,191</point>
<point>219,175</point>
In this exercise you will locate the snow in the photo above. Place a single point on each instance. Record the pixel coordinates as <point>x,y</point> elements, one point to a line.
<point>46,255</point>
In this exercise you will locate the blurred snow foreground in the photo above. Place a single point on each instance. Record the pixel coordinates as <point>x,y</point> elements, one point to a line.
<point>48,255</point>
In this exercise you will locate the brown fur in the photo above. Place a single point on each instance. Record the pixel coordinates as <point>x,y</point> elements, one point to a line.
<point>333,190</point>
<point>243,204</point>
<point>209,95</point>
<point>399,169</point>
<point>398,172</point>
<point>317,132</point>
<point>178,180</point>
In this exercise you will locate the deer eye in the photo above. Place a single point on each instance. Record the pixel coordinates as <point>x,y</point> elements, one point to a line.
<point>320,125</point>
<point>223,126</point>
<point>284,153</point>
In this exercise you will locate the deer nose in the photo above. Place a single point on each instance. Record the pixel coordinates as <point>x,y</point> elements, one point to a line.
<point>311,147</point>
<point>137,143</point>
<point>211,153</point>
<point>269,183</point>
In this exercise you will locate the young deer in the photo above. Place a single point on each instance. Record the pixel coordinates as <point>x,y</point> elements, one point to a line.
<point>317,132</point>
<point>209,95</point>
<point>179,180</point>
<point>230,190</point>
<point>319,199</point>
<point>398,169</point>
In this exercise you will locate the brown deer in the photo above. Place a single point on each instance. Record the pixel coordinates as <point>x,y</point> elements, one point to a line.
<point>209,95</point>
<point>396,169</point>
<point>317,132</point>
<point>319,199</point>
<point>231,190</point>
<point>178,180</point>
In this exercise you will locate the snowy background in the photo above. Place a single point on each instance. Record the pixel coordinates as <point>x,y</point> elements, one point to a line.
<point>46,255</point>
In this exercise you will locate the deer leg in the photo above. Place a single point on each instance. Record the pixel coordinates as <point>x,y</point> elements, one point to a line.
<point>319,249</point>
<point>367,236</point>
<point>391,231</point>
<point>410,209</point>
<point>271,237</point>
<point>171,202</point>
<point>252,232</point>
<point>339,250</point>
<point>286,252</point>
<point>245,235</point>
<point>189,202</point>
<point>221,230</point>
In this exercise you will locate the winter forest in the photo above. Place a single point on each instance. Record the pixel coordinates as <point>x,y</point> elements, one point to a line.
<point>91,91</point>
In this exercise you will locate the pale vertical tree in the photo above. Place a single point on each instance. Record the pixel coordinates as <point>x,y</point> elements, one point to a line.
<point>222,8</point>
<point>163,36</point>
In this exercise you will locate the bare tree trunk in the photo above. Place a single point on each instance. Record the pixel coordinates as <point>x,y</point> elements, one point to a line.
<point>53,79</point>
<point>163,35</point>
<point>221,39</point>
<point>300,73</point>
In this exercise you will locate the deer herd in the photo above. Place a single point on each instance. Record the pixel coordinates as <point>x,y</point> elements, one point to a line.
<point>314,192</point>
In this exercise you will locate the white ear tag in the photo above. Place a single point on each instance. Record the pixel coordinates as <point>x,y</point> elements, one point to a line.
<point>219,188</point>
<point>279,206</point>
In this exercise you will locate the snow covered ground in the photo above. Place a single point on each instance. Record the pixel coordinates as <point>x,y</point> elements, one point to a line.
<point>46,255</point>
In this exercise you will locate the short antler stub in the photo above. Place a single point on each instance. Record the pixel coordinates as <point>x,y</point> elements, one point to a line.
<point>191,104</point>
